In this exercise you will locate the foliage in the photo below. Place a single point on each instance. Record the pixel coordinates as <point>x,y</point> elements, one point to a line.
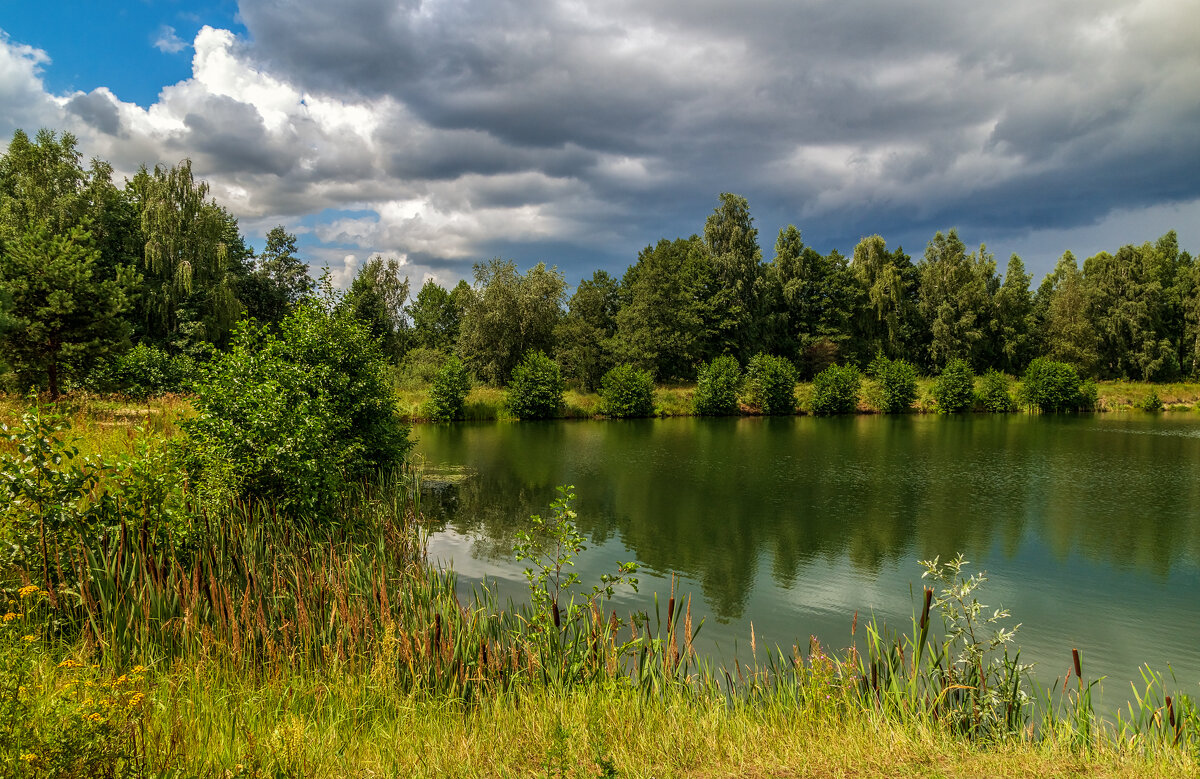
<point>1050,386</point>
<point>627,391</point>
<point>551,546</point>
<point>87,725</point>
<point>898,380</point>
<point>954,388</point>
<point>62,317</point>
<point>449,390</point>
<point>146,371</point>
<point>992,698</point>
<point>770,384</point>
<point>994,392</point>
<point>1151,403</point>
<point>436,316</point>
<point>956,298</point>
<point>836,390</point>
<point>536,389</point>
<point>291,417</point>
<point>419,367</point>
<point>376,299</point>
<point>509,315</point>
<point>1089,395</point>
<point>280,279</point>
<point>584,337</point>
<point>717,387</point>
<point>885,285</point>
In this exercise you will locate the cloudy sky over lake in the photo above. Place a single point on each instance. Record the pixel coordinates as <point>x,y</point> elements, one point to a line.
<point>576,132</point>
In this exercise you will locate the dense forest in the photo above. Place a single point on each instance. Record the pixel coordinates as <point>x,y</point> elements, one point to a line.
<point>118,288</point>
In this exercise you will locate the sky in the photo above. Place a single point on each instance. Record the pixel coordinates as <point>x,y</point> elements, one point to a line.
<point>577,132</point>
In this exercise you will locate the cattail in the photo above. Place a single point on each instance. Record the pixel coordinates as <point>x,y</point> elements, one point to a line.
<point>1078,665</point>
<point>687,627</point>
<point>753,644</point>
<point>854,625</point>
<point>1170,712</point>
<point>554,613</point>
<point>925,610</point>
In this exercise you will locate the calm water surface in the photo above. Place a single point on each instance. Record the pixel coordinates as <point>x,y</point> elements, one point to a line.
<point>1088,526</point>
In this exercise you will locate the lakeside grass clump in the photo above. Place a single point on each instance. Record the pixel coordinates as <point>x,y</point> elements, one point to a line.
<point>239,638</point>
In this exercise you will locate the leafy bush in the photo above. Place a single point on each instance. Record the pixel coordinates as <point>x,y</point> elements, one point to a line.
<point>292,417</point>
<point>770,384</point>
<point>1151,403</point>
<point>449,390</point>
<point>1089,396</point>
<point>993,392</point>
<point>954,388</point>
<point>419,368</point>
<point>627,392</point>
<point>536,388</point>
<point>145,371</point>
<point>898,379</point>
<point>1052,386</point>
<point>835,390</point>
<point>717,387</point>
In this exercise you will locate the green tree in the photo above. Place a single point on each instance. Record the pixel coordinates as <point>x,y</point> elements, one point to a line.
<point>193,258</point>
<point>584,337</point>
<point>956,299</point>
<point>885,312</point>
<point>1068,334</point>
<point>806,297</point>
<point>62,318</point>
<point>1015,319</point>
<point>509,315</point>
<point>280,279</point>
<point>376,298</point>
<point>435,317</point>
<point>1126,306</point>
<point>729,282</point>
<point>660,323</point>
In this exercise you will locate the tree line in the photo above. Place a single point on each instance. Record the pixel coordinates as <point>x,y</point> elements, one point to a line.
<point>106,286</point>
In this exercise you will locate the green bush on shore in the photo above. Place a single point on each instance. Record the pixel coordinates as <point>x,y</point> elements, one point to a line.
<point>836,390</point>
<point>626,391</point>
<point>717,387</point>
<point>770,384</point>
<point>536,388</point>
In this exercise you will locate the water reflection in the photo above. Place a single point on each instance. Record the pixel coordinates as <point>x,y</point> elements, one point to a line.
<point>717,499</point>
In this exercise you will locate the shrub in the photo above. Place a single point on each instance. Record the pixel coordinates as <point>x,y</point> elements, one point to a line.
<point>954,389</point>
<point>898,379</point>
<point>145,371</point>
<point>770,384</point>
<point>627,392</point>
<point>419,368</point>
<point>449,390</point>
<point>535,390</point>
<point>994,394</point>
<point>1151,402</point>
<point>292,417</point>
<point>717,387</point>
<point>835,390</point>
<point>1089,396</point>
<point>1051,386</point>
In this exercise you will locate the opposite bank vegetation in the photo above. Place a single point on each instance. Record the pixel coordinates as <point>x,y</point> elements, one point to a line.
<point>235,585</point>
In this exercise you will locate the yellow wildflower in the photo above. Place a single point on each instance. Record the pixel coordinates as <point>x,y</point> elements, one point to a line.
<point>27,590</point>
<point>10,616</point>
<point>69,663</point>
<point>31,637</point>
<point>137,669</point>
<point>28,757</point>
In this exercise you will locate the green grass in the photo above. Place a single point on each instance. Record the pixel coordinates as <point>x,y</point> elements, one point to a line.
<point>240,642</point>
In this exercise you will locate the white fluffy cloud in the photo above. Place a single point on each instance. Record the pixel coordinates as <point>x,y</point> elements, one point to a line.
<point>575,132</point>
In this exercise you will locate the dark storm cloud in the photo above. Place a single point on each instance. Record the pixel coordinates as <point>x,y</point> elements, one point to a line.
<point>98,110</point>
<point>232,136</point>
<point>910,116</point>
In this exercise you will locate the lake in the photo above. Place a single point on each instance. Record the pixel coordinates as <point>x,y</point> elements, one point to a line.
<point>1088,526</point>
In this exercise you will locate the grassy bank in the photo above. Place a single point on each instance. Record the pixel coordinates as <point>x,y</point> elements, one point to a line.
<point>175,639</point>
<point>486,403</point>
